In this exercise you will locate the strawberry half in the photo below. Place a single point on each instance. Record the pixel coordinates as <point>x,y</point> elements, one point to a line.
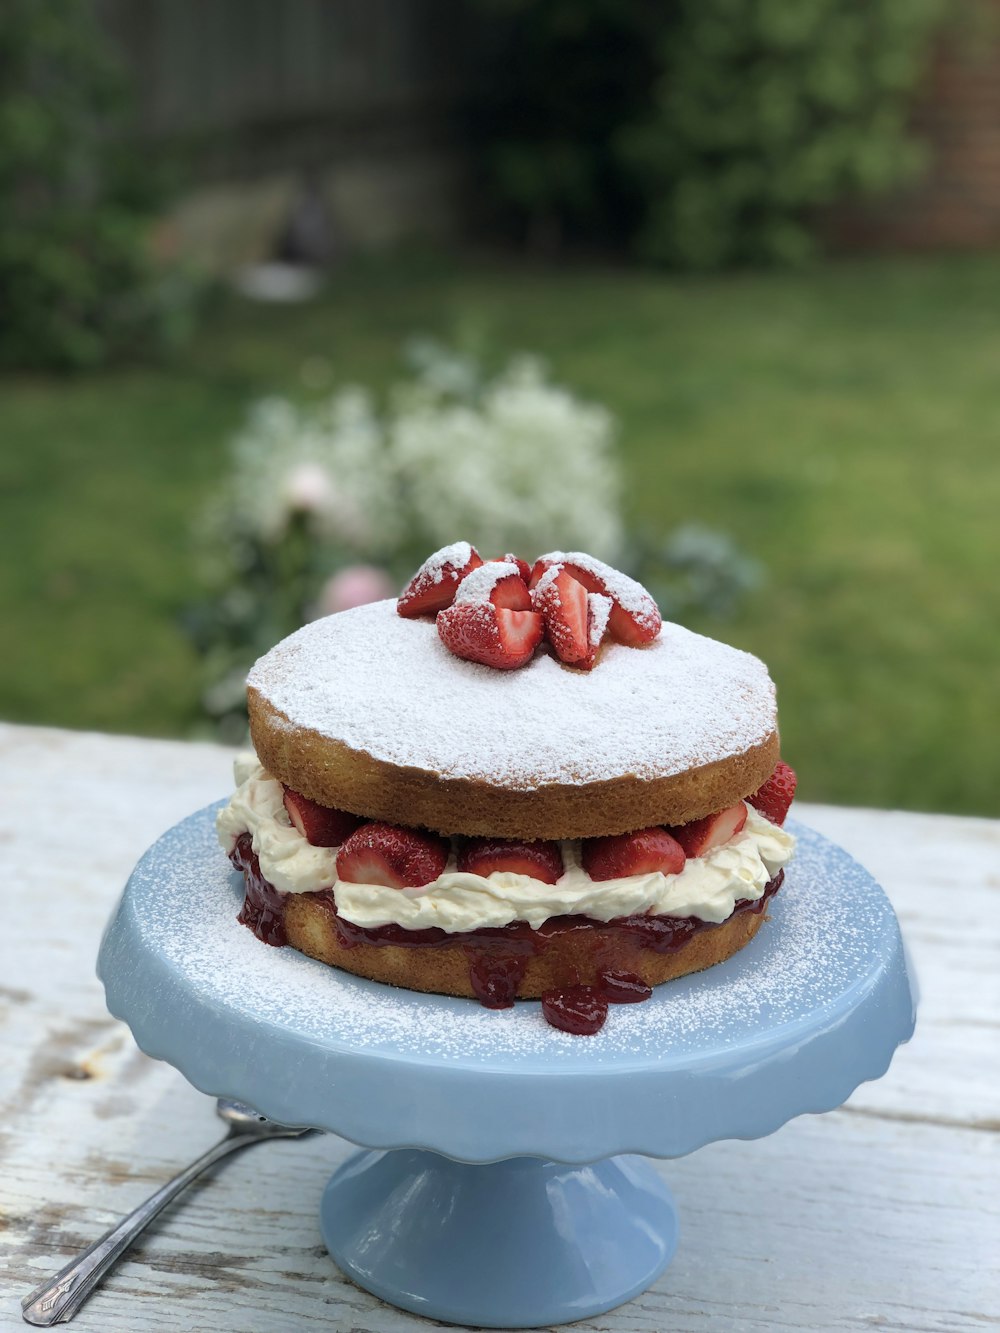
<point>399,858</point>
<point>539,860</point>
<point>776,795</point>
<point>492,635</point>
<point>638,853</point>
<point>562,600</point>
<point>635,618</point>
<point>433,586</point>
<point>320,825</point>
<point>702,835</point>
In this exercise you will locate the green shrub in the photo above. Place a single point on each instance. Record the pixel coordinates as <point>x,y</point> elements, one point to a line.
<point>766,110</point>
<point>77,284</point>
<point>701,133</point>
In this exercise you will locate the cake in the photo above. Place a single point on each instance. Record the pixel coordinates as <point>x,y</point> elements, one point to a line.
<point>511,784</point>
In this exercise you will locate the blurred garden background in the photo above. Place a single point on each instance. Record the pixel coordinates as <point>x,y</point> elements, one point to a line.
<point>291,292</point>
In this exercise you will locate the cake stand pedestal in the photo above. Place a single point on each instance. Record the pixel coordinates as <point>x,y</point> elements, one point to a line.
<point>507,1192</point>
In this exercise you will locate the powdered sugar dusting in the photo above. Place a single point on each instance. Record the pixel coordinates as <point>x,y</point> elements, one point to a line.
<point>598,614</point>
<point>827,935</point>
<point>478,585</point>
<point>389,687</point>
<point>546,581</point>
<point>449,560</point>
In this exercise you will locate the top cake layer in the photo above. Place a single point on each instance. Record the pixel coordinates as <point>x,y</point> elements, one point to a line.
<point>368,711</point>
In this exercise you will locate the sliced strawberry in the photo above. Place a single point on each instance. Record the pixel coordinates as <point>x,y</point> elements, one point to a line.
<point>546,562</point>
<point>562,600</point>
<point>775,796</point>
<point>511,592</point>
<point>523,568</point>
<point>639,853</point>
<point>319,824</point>
<point>492,635</point>
<point>399,858</point>
<point>598,613</point>
<point>433,586</point>
<point>635,617</point>
<point>701,835</point>
<point>539,860</point>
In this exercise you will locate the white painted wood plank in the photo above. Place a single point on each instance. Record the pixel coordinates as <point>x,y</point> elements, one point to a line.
<point>835,1222</point>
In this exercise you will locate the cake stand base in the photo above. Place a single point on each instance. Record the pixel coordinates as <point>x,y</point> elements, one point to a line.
<point>512,1244</point>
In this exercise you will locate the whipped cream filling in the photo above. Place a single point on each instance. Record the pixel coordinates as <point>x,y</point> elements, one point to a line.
<point>708,887</point>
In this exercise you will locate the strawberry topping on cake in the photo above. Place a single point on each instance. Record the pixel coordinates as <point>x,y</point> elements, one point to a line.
<point>399,858</point>
<point>702,835</point>
<point>433,586</point>
<point>319,824</point>
<point>487,856</point>
<point>562,600</point>
<point>635,617</point>
<point>577,600</point>
<point>775,796</point>
<point>640,853</point>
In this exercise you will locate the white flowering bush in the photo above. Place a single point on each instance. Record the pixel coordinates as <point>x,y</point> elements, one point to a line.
<point>334,504</point>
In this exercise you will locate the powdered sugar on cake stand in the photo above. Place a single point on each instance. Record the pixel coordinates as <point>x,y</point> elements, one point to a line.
<point>681,702</point>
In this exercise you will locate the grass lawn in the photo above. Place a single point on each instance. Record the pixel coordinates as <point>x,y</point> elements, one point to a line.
<point>843,424</point>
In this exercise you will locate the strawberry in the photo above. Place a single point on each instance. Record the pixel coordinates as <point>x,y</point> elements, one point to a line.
<point>701,835</point>
<point>638,853</point>
<point>635,618</point>
<point>493,635</point>
<point>399,858</point>
<point>539,860</point>
<point>523,568</point>
<point>433,586</point>
<point>511,592</point>
<point>562,600</point>
<point>320,825</point>
<point>775,796</point>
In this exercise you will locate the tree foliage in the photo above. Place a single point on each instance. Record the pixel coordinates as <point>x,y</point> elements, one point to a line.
<point>77,284</point>
<point>703,133</point>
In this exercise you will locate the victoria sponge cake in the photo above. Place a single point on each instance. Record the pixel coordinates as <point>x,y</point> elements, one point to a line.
<point>511,783</point>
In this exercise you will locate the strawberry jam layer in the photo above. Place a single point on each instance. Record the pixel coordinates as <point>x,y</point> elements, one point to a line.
<point>498,956</point>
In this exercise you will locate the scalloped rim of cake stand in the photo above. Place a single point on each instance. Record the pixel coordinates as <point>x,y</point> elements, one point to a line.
<point>815,1005</point>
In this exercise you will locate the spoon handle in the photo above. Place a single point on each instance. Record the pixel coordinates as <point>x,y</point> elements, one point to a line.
<point>57,1300</point>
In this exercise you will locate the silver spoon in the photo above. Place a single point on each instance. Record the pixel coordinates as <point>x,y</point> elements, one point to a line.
<point>57,1300</point>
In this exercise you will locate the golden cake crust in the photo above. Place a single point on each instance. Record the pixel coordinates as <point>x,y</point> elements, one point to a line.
<point>369,712</point>
<point>572,959</point>
<point>331,772</point>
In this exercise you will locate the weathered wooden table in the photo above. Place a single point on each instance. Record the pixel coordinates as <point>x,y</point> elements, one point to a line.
<point>884,1214</point>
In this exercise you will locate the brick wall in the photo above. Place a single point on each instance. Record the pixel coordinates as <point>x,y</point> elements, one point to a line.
<point>956,203</point>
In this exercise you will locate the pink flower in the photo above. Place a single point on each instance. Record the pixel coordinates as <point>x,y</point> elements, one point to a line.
<point>354,585</point>
<point>308,489</point>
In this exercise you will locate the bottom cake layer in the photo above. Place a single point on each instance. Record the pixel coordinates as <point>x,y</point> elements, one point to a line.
<point>619,959</point>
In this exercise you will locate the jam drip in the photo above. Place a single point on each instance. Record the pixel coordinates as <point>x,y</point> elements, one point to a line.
<point>263,907</point>
<point>498,955</point>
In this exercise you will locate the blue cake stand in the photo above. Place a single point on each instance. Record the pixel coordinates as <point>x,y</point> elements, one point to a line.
<point>505,1188</point>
